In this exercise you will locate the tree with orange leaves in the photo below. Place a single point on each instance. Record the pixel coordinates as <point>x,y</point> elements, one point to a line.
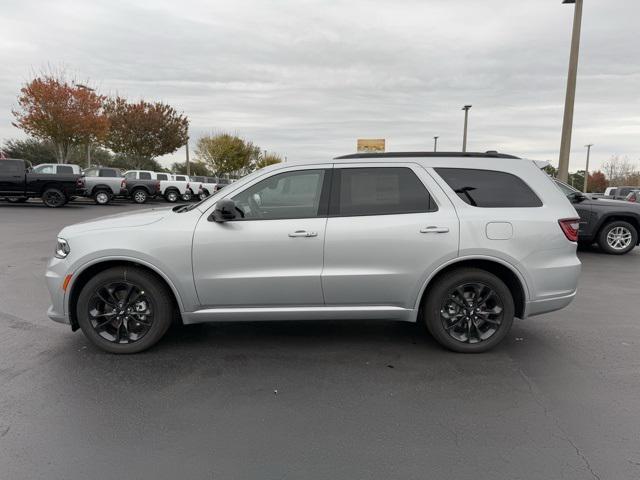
<point>66,114</point>
<point>144,130</point>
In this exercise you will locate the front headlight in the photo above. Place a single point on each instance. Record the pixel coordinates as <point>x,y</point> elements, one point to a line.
<point>62,248</point>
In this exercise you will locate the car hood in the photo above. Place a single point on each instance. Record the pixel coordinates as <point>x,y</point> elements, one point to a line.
<point>615,203</point>
<point>138,218</point>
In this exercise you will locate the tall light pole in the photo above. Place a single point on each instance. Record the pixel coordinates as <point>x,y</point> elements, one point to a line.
<point>586,170</point>
<point>466,122</point>
<point>435,144</point>
<point>84,87</point>
<point>567,123</point>
<point>186,145</point>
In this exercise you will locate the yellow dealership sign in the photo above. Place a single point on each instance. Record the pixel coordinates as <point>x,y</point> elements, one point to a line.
<point>371,145</point>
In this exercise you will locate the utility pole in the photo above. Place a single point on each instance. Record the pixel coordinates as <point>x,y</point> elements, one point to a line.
<point>567,123</point>
<point>435,144</point>
<point>186,145</point>
<point>586,170</point>
<point>89,154</point>
<point>89,89</point>
<point>466,122</point>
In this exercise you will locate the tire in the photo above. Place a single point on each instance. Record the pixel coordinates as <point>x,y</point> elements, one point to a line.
<point>16,199</point>
<point>140,196</point>
<point>618,237</point>
<point>53,197</point>
<point>468,330</point>
<point>203,195</point>
<point>186,197</point>
<point>102,197</point>
<point>172,196</point>
<point>127,329</point>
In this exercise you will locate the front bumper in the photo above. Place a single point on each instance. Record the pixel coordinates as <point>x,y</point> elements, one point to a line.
<point>56,271</point>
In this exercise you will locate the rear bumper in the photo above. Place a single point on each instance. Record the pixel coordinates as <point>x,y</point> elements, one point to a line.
<point>538,307</point>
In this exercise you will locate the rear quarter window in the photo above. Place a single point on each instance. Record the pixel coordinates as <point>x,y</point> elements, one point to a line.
<point>489,188</point>
<point>65,169</point>
<point>108,172</point>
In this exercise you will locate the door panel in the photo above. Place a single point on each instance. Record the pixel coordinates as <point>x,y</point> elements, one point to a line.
<point>12,177</point>
<point>269,257</point>
<point>258,263</point>
<point>385,259</point>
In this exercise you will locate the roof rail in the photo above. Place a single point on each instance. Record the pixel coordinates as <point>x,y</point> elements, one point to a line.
<point>488,154</point>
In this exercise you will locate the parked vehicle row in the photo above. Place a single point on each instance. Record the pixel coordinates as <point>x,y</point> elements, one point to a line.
<point>20,181</point>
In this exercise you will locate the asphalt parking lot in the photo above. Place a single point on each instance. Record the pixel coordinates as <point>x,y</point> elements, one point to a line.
<point>560,399</point>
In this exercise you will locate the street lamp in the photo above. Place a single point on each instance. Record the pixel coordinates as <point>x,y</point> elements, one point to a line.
<point>466,122</point>
<point>435,144</point>
<point>567,124</point>
<point>89,89</point>
<point>586,170</point>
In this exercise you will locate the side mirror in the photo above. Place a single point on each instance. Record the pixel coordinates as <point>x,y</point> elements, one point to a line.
<point>579,197</point>
<point>225,210</point>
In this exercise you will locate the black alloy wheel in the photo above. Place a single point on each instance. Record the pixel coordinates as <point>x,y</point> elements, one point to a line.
<point>469,310</point>
<point>53,198</point>
<point>124,310</point>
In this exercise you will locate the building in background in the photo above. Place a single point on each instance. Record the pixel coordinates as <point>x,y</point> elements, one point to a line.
<point>371,145</point>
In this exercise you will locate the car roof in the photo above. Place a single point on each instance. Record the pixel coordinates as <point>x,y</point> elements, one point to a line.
<point>488,154</point>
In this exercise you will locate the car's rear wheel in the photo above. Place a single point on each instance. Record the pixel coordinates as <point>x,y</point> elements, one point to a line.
<point>140,196</point>
<point>618,237</point>
<point>102,197</point>
<point>124,310</point>
<point>186,197</point>
<point>469,310</point>
<point>172,196</point>
<point>53,197</point>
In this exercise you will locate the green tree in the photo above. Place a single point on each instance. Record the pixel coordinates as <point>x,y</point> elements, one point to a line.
<point>267,159</point>
<point>195,168</point>
<point>32,149</point>
<point>225,153</point>
<point>142,131</point>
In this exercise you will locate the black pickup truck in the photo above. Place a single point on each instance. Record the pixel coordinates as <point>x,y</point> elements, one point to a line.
<point>18,183</point>
<point>613,224</point>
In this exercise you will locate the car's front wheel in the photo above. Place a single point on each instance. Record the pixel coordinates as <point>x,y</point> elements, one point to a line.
<point>124,310</point>
<point>172,196</point>
<point>618,238</point>
<point>469,310</point>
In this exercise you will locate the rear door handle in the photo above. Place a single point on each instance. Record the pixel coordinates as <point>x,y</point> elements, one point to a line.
<point>434,229</point>
<point>303,233</point>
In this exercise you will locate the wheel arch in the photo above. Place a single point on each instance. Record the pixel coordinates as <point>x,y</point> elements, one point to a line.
<point>91,269</point>
<point>101,187</point>
<point>506,272</point>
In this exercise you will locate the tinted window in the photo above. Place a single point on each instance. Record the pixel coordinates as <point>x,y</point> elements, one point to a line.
<point>130,175</point>
<point>11,167</point>
<point>65,169</point>
<point>564,188</point>
<point>287,195</point>
<point>108,172</point>
<point>145,176</point>
<point>162,176</point>
<point>91,172</point>
<point>378,191</point>
<point>197,179</point>
<point>223,181</point>
<point>488,188</point>
<point>181,179</point>
<point>211,180</point>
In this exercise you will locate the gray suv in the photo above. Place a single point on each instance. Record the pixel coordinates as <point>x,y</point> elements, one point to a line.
<point>460,242</point>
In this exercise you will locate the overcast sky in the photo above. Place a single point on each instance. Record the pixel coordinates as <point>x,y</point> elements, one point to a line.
<point>307,78</point>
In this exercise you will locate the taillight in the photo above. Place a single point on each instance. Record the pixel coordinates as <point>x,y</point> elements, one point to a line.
<point>158,185</point>
<point>188,186</point>
<point>570,227</point>
<point>80,182</point>
<point>123,183</point>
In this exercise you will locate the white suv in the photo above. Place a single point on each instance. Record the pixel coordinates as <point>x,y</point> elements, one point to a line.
<point>461,242</point>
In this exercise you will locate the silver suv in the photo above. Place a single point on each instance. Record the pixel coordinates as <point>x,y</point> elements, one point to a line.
<point>460,242</point>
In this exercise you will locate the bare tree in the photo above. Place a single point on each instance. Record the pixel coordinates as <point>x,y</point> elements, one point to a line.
<point>620,170</point>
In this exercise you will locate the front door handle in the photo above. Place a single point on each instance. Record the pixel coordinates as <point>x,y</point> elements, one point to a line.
<point>434,229</point>
<point>303,233</point>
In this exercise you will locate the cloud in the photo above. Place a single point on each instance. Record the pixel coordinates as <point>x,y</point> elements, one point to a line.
<point>307,78</point>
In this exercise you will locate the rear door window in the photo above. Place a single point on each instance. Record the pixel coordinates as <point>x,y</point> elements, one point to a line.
<point>145,176</point>
<point>108,172</point>
<point>11,167</point>
<point>65,169</point>
<point>162,176</point>
<point>489,188</point>
<point>378,191</point>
